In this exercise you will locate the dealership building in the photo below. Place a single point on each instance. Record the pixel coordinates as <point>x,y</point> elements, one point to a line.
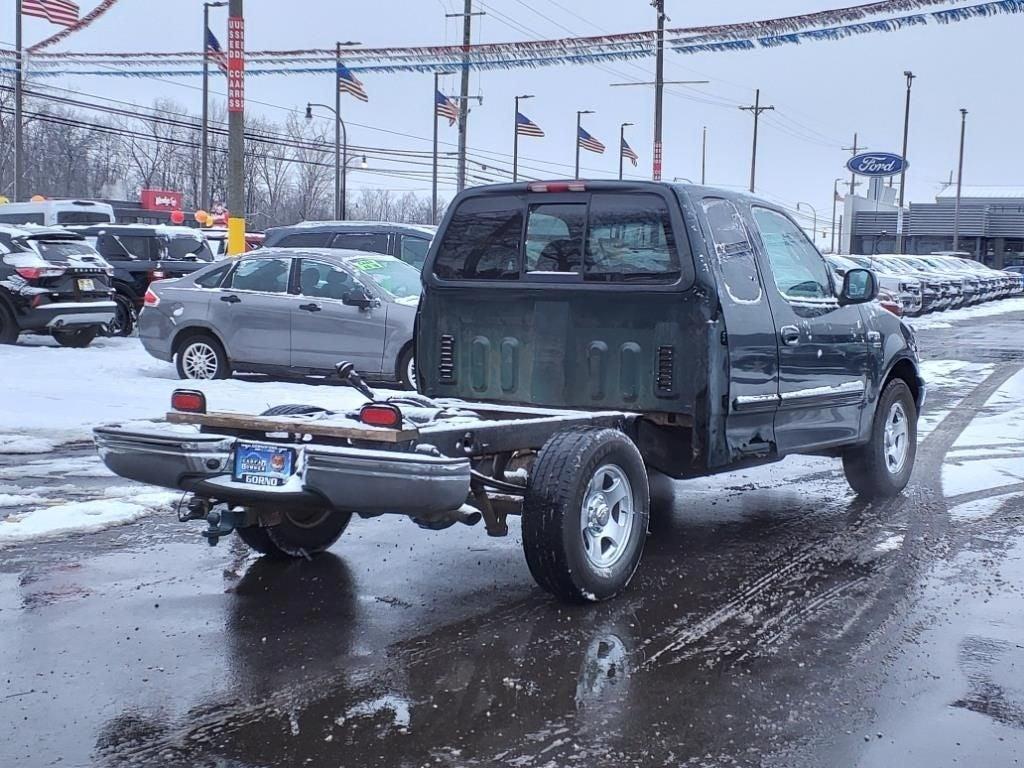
<point>991,224</point>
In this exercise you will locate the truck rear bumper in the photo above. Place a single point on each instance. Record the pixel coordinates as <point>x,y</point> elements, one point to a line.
<point>347,479</point>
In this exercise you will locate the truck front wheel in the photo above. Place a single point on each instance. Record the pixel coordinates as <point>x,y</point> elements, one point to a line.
<point>299,534</point>
<point>881,468</point>
<point>585,514</point>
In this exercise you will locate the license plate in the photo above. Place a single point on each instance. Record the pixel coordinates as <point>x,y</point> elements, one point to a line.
<point>86,284</point>
<point>267,465</point>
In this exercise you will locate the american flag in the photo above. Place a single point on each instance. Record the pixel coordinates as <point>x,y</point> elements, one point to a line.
<point>214,52</point>
<point>589,143</point>
<point>62,12</point>
<point>349,83</point>
<point>629,154</point>
<point>526,127</point>
<point>445,107</point>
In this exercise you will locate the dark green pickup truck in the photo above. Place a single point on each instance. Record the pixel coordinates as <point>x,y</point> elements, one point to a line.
<point>572,337</point>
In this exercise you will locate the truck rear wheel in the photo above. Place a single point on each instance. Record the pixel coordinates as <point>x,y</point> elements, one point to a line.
<point>300,534</point>
<point>585,514</point>
<point>881,468</point>
<point>256,539</point>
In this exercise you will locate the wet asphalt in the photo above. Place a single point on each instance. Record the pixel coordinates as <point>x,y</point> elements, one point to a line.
<point>775,620</point>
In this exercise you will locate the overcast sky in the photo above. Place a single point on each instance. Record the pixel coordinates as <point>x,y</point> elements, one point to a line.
<point>822,91</point>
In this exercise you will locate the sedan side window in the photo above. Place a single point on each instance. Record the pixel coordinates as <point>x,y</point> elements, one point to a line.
<point>325,281</point>
<point>265,275</point>
<point>798,268</point>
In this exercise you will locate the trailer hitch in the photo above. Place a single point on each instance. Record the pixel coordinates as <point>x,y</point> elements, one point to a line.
<point>223,523</point>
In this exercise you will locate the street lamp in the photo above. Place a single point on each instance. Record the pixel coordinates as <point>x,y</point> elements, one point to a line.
<point>340,157</point>
<point>579,114</point>
<point>814,227</point>
<point>622,144</point>
<point>959,180</point>
<point>515,140</point>
<point>903,171</point>
<point>204,142</point>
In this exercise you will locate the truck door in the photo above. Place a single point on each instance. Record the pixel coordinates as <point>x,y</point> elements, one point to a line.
<point>823,347</point>
<point>750,335</point>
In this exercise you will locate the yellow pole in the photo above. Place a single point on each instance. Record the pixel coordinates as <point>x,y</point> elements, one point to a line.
<point>236,235</point>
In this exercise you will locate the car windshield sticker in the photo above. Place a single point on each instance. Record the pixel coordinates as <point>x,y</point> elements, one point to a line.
<point>368,265</point>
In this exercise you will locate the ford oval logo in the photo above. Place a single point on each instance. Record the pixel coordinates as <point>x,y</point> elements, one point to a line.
<point>877,164</point>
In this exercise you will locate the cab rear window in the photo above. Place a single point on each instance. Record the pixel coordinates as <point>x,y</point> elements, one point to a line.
<point>604,237</point>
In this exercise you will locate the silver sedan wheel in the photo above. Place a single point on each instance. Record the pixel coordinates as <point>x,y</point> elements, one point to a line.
<point>897,439</point>
<point>199,360</point>
<point>607,516</point>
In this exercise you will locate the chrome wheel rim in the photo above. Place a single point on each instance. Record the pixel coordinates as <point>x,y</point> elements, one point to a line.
<point>410,372</point>
<point>199,361</point>
<point>897,439</point>
<point>607,516</point>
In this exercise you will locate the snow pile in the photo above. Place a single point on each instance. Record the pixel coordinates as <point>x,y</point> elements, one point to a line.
<point>949,318</point>
<point>83,516</point>
<point>58,395</point>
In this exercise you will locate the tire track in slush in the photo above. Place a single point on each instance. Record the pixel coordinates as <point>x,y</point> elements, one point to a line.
<point>924,495</point>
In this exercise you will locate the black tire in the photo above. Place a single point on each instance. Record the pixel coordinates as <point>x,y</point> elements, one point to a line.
<point>80,338</point>
<point>663,497</point>
<point>305,534</point>
<point>553,536</point>
<point>870,469</point>
<point>293,410</point>
<point>124,316</point>
<point>8,326</point>
<point>210,348</point>
<point>407,369</point>
<point>256,539</point>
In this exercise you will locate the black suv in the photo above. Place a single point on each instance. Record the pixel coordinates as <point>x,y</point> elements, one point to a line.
<point>141,253</point>
<point>52,282</point>
<point>408,242</point>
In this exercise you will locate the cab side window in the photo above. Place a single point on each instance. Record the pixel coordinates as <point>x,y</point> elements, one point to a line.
<point>734,254</point>
<point>414,250</point>
<point>798,268</point>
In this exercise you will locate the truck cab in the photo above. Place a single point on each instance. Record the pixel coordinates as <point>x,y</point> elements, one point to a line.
<point>708,312</point>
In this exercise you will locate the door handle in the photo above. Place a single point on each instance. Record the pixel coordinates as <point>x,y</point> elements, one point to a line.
<point>310,307</point>
<point>232,299</point>
<point>790,335</point>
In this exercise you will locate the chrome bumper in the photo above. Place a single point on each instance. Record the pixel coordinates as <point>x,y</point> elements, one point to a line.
<point>348,479</point>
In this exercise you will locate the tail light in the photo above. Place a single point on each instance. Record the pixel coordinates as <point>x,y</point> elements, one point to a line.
<point>188,401</point>
<point>34,273</point>
<point>557,186</point>
<point>151,299</point>
<point>380,415</point>
<point>158,274</point>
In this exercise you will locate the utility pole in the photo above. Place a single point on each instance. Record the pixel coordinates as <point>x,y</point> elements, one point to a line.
<point>703,155</point>
<point>903,172</point>
<point>515,137</point>
<point>756,109</point>
<point>204,140</point>
<point>959,181</point>
<point>19,149</point>
<point>659,88</point>
<point>835,199</point>
<point>236,128</point>
<point>853,183</point>
<point>467,40</point>
<point>840,233</point>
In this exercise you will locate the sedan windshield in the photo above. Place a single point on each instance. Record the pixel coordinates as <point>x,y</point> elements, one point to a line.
<point>394,277</point>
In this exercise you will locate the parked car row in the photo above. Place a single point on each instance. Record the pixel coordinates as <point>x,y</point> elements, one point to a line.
<point>939,281</point>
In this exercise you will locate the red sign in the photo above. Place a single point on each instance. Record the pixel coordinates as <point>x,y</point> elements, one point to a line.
<point>236,64</point>
<point>161,200</point>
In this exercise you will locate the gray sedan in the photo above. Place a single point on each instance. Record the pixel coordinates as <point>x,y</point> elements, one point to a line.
<point>287,311</point>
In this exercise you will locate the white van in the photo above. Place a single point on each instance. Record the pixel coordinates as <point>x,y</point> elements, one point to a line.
<point>51,213</point>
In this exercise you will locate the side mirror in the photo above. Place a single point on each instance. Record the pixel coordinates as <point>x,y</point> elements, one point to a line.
<point>859,287</point>
<point>360,299</point>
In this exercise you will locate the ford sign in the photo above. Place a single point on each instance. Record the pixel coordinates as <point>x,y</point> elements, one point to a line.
<point>877,164</point>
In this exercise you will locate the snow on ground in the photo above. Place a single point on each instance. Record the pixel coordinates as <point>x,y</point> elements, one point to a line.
<point>950,317</point>
<point>989,454</point>
<point>61,394</point>
<point>82,516</point>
